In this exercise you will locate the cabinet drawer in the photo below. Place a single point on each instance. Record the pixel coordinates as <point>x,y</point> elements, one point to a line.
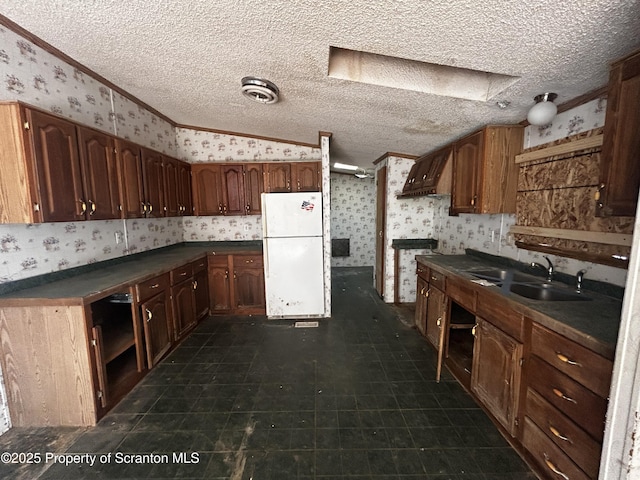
<point>240,261</point>
<point>423,272</point>
<point>152,287</point>
<point>580,363</point>
<point>217,260</point>
<point>436,279</point>
<point>499,314</point>
<point>583,406</point>
<point>181,273</point>
<point>546,453</point>
<point>462,293</point>
<point>199,265</point>
<point>574,441</point>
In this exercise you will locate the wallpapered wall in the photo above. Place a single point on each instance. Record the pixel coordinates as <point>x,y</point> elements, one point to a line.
<point>425,217</point>
<point>35,77</point>
<point>353,216</point>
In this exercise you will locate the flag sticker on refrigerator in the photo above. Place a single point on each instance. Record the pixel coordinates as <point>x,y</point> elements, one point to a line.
<point>308,206</point>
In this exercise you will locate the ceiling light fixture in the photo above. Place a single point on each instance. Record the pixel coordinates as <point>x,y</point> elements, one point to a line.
<point>344,166</point>
<point>543,112</point>
<point>260,90</point>
<point>362,173</point>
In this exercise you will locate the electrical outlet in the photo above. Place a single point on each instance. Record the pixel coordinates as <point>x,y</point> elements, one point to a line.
<point>119,237</point>
<point>246,227</point>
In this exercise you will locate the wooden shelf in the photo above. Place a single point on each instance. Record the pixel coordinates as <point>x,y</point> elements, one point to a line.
<point>117,340</point>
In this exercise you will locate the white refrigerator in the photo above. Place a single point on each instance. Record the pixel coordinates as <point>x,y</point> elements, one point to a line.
<point>293,254</point>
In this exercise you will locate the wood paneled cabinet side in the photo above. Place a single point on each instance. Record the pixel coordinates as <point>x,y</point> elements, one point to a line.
<point>620,165</point>
<point>306,176</point>
<point>99,174</point>
<point>129,160</point>
<point>153,176</point>
<point>484,171</point>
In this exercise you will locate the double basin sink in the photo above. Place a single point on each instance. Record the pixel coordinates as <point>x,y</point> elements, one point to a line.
<point>529,286</point>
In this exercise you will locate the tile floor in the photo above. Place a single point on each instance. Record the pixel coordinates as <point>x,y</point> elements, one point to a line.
<point>255,399</point>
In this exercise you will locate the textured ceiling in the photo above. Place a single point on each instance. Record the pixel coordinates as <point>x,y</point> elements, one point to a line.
<point>186,59</point>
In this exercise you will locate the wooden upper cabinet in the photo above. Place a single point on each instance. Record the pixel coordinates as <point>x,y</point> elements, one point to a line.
<point>233,189</point>
<point>185,203</point>
<point>466,175</point>
<point>55,149</point>
<point>307,176</point>
<point>207,189</point>
<point>620,164</point>
<point>431,174</point>
<point>131,185</point>
<point>153,175</point>
<point>253,188</point>
<point>485,174</point>
<point>171,186</point>
<point>277,177</point>
<point>100,175</point>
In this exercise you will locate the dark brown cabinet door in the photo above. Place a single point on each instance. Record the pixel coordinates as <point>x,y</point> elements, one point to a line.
<point>201,289</point>
<point>496,372</point>
<point>253,188</point>
<point>249,289</point>
<point>219,289</point>
<point>420,318</point>
<point>171,187</point>
<point>436,312</point>
<point>99,169</point>
<point>233,188</point>
<point>156,317</point>
<point>130,174</point>
<point>207,189</point>
<point>307,176</point>
<point>184,308</point>
<point>466,174</point>
<point>153,175</point>
<point>185,204</point>
<point>620,164</point>
<point>277,177</point>
<point>429,173</point>
<point>59,175</point>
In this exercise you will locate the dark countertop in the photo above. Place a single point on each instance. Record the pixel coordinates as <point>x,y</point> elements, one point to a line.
<point>593,324</point>
<point>413,243</point>
<point>104,278</point>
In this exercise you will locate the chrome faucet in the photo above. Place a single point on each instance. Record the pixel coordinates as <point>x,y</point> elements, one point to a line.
<point>548,269</point>
<point>579,277</point>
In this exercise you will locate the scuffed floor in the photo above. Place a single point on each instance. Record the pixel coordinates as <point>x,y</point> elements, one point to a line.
<point>255,399</point>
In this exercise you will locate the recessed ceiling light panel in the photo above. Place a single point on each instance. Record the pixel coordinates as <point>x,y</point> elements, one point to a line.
<point>260,90</point>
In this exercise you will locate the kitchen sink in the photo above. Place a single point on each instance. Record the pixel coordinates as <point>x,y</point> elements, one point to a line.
<point>500,275</point>
<point>547,293</point>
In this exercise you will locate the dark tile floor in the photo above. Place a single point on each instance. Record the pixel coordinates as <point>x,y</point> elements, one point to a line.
<point>255,399</point>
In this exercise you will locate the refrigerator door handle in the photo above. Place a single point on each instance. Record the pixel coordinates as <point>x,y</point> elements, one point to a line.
<point>264,217</point>
<point>265,259</point>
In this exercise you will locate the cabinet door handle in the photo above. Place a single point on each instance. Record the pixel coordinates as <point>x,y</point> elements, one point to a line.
<point>248,207</point>
<point>473,200</point>
<point>226,274</point>
<point>556,433</point>
<point>560,394</point>
<point>474,329</point>
<point>567,360</point>
<point>195,284</point>
<point>183,274</point>
<point>150,207</point>
<point>439,321</point>
<point>220,208</point>
<point>149,314</point>
<point>422,291</point>
<point>434,278</point>
<point>155,285</point>
<point>83,206</point>
<point>144,207</point>
<point>553,468</point>
<point>92,207</point>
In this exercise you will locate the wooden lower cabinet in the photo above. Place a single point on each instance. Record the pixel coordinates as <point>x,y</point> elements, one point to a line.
<point>236,284</point>
<point>496,373</point>
<point>156,318</point>
<point>420,319</point>
<point>184,308</point>
<point>201,288</point>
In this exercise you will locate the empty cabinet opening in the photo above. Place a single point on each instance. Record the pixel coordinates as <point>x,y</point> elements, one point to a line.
<point>460,345</point>
<point>115,347</point>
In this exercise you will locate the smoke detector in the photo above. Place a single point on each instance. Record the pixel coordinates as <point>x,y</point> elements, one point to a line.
<point>260,90</point>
